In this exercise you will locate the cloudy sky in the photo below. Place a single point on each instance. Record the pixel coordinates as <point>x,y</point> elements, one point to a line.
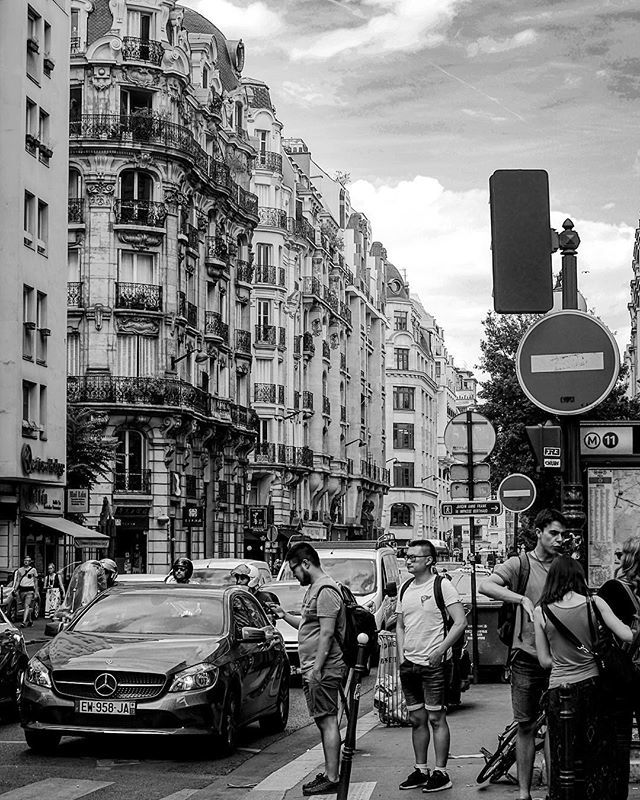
<point>421,100</point>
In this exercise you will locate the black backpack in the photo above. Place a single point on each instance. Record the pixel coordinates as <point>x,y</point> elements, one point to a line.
<point>507,612</point>
<point>357,620</point>
<point>446,620</point>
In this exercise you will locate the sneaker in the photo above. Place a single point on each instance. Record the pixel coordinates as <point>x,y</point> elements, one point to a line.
<point>415,780</point>
<point>320,785</point>
<point>438,780</point>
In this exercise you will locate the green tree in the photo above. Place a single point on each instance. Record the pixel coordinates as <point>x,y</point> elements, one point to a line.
<point>90,452</point>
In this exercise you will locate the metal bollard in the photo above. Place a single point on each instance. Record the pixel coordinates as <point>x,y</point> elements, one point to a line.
<point>349,746</point>
<point>567,776</point>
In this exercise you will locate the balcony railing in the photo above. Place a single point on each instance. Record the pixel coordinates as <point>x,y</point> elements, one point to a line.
<point>140,212</point>
<point>243,341</point>
<point>307,400</point>
<point>264,393</point>
<point>216,247</point>
<point>214,325</point>
<point>307,343</point>
<point>272,218</point>
<point>244,271</point>
<point>265,334</point>
<point>269,160</point>
<point>139,296</point>
<point>192,234</point>
<point>301,228</point>
<point>136,49</point>
<point>75,210</point>
<point>75,45</point>
<point>132,482</point>
<point>243,417</point>
<point>265,453</point>
<point>74,295</point>
<point>345,313</point>
<point>121,390</point>
<point>265,273</point>
<point>311,285</point>
<point>271,453</point>
<point>248,201</point>
<point>326,405</point>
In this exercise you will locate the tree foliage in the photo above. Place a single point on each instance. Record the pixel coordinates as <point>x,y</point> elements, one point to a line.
<point>90,452</point>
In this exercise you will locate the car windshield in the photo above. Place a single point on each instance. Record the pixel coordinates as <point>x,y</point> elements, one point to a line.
<point>154,612</point>
<point>359,574</point>
<point>220,577</point>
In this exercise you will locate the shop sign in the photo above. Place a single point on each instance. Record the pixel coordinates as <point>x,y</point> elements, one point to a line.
<point>193,516</point>
<point>78,501</point>
<point>50,466</point>
<point>258,518</point>
<point>42,500</point>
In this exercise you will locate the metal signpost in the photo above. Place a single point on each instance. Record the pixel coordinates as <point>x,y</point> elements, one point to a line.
<point>470,437</point>
<point>517,493</point>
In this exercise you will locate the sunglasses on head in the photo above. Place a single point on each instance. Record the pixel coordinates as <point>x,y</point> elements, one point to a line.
<point>618,554</point>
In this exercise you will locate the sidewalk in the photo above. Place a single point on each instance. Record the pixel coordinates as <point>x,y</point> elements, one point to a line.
<point>35,634</point>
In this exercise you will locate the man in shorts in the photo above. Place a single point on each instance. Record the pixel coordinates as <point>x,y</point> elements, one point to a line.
<point>25,585</point>
<point>424,656</point>
<point>528,679</point>
<point>320,627</point>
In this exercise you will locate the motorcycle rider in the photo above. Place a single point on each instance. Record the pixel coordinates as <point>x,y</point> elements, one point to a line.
<point>110,570</point>
<point>247,575</point>
<point>181,571</point>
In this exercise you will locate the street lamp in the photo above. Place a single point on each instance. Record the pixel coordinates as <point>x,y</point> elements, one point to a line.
<point>202,356</point>
<point>353,441</point>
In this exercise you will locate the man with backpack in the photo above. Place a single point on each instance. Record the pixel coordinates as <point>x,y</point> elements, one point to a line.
<point>519,581</point>
<point>426,603</point>
<point>321,626</point>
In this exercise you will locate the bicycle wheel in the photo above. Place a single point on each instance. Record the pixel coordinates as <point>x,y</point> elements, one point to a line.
<point>499,763</point>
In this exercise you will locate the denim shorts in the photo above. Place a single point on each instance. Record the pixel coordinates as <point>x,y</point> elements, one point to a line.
<point>322,696</point>
<point>423,687</point>
<point>529,681</point>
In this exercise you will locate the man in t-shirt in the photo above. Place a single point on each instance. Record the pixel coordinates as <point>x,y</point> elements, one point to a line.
<point>423,655</point>
<point>25,585</point>
<point>321,626</point>
<point>528,679</point>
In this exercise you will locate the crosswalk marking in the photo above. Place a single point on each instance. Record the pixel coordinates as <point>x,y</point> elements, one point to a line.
<point>357,791</point>
<point>55,789</point>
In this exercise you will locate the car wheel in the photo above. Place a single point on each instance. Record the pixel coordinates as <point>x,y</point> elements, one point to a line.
<point>228,735</point>
<point>277,722</point>
<point>42,742</point>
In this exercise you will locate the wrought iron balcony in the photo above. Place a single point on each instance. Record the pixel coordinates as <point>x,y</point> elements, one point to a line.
<point>136,49</point>
<point>243,417</point>
<point>307,400</point>
<point>216,248</point>
<point>139,296</point>
<point>265,453</point>
<point>304,456</point>
<point>326,405</point>
<point>214,326</point>
<point>75,45</point>
<point>74,295</point>
<point>244,271</point>
<point>75,210</point>
<point>265,334</point>
<point>132,482</point>
<point>331,299</point>
<point>121,390</point>
<point>140,212</point>
<point>272,218</point>
<point>264,393</point>
<point>269,160</point>
<point>243,341</point>
<point>220,174</point>
<point>265,273</point>
<point>248,201</point>
<point>301,228</point>
<point>307,343</point>
<point>282,338</point>
<point>326,350</point>
<point>311,285</point>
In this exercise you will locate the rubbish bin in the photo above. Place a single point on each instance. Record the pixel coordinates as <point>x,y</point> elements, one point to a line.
<point>491,651</point>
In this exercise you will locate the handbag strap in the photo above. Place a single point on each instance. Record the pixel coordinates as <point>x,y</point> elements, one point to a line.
<point>568,634</point>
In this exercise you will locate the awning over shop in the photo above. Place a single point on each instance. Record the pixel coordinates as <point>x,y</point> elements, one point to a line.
<point>85,537</point>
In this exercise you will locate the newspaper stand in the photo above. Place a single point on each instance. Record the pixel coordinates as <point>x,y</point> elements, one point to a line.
<point>388,697</point>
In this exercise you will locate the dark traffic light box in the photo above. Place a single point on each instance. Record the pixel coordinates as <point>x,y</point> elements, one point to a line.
<point>521,241</point>
<point>546,443</point>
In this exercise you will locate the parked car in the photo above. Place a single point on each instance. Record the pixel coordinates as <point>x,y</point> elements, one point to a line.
<point>217,571</point>
<point>158,660</point>
<point>13,660</point>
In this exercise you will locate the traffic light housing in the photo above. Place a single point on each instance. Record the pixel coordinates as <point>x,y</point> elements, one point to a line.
<point>521,241</point>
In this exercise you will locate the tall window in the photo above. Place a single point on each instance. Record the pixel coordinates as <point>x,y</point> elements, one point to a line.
<point>263,138</point>
<point>403,473</point>
<point>401,357</point>
<point>135,101</point>
<point>403,398</point>
<point>29,218</point>
<point>75,104</point>
<point>28,322</point>
<point>29,410</point>
<point>43,226</point>
<point>34,45</point>
<point>403,435</point>
<point>136,185</point>
<point>75,184</point>
<point>135,267</point>
<point>73,353</point>
<point>130,462</point>
<point>400,515</point>
<point>42,410</point>
<point>264,312</point>
<point>137,355</point>
<point>400,320</point>
<point>42,328</point>
<point>263,254</point>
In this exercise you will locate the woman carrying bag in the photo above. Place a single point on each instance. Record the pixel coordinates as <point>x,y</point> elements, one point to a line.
<point>53,591</point>
<point>564,643</point>
<point>622,594</point>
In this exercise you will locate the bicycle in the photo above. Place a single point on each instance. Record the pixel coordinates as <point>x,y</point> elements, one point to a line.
<point>498,763</point>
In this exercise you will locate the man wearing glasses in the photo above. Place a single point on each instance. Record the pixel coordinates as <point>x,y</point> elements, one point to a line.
<point>320,626</point>
<point>423,654</point>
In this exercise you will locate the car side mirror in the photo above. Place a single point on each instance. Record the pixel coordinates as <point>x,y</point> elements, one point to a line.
<point>52,628</point>
<point>391,589</point>
<point>253,635</point>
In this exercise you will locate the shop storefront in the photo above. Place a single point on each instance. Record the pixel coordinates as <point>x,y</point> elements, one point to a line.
<point>132,529</point>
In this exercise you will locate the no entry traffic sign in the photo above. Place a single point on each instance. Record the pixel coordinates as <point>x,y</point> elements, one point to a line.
<point>517,492</point>
<point>567,362</point>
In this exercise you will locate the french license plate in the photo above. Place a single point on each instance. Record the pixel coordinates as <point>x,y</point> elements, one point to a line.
<point>122,707</point>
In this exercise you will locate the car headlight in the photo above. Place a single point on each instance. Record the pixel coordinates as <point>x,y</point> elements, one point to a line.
<point>201,676</point>
<point>38,674</point>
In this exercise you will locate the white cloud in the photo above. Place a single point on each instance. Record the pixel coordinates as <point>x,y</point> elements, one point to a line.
<point>308,95</point>
<point>486,44</point>
<point>442,239</point>
<point>471,112</point>
<point>396,25</point>
<point>252,21</point>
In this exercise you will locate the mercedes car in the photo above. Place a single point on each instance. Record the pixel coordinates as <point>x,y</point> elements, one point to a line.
<point>159,660</point>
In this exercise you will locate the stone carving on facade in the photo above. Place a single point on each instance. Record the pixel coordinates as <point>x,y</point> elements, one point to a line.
<point>101,78</point>
<point>100,192</point>
<point>292,304</point>
<point>202,223</point>
<point>140,76</point>
<point>98,313</point>
<point>140,240</point>
<point>169,452</point>
<point>118,10</point>
<point>334,341</point>
<point>176,15</point>
<point>174,197</point>
<point>316,327</point>
<point>140,327</point>
<point>186,456</point>
<point>242,368</point>
<point>170,425</point>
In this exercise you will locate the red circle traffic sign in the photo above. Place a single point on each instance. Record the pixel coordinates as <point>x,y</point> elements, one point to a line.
<point>567,362</point>
<point>517,492</point>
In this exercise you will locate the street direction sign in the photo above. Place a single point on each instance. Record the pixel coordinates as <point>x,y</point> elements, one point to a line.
<point>567,362</point>
<point>517,492</point>
<point>472,508</point>
<point>483,436</point>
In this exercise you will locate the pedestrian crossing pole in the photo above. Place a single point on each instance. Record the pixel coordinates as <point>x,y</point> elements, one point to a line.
<point>349,746</point>
<point>472,550</point>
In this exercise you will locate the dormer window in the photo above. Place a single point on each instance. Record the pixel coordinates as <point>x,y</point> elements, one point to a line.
<point>205,77</point>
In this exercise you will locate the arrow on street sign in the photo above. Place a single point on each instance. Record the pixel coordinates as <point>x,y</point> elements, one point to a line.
<point>517,492</point>
<point>472,508</point>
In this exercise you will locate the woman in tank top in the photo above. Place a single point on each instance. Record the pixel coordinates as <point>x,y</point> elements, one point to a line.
<point>564,597</point>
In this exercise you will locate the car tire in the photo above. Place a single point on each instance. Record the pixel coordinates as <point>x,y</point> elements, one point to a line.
<point>228,736</point>
<point>42,742</point>
<point>277,722</point>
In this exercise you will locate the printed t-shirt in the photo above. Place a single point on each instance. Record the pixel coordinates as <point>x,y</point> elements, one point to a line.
<point>423,628</point>
<point>318,604</point>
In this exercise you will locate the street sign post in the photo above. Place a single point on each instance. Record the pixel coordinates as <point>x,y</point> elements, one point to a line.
<point>471,508</point>
<point>517,493</point>
<point>567,362</point>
